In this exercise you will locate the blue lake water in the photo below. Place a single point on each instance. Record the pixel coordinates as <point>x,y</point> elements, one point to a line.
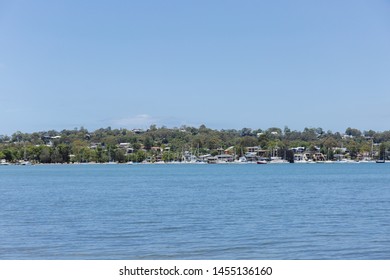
<point>280,211</point>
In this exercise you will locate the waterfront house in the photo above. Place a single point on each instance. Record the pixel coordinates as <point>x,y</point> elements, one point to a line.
<point>124,145</point>
<point>156,149</point>
<point>318,157</point>
<point>298,150</point>
<point>225,158</point>
<point>229,151</point>
<point>254,149</point>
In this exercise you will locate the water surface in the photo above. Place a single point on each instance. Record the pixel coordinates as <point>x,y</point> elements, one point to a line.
<point>280,211</point>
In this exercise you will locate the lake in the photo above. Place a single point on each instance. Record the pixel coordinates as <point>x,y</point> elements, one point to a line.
<point>227,211</point>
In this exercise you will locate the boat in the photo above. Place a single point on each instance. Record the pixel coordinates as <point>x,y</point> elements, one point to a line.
<point>261,162</point>
<point>212,160</point>
<point>4,162</point>
<point>277,160</point>
<point>174,162</point>
<point>367,160</point>
<point>345,160</point>
<point>383,158</point>
<point>241,160</point>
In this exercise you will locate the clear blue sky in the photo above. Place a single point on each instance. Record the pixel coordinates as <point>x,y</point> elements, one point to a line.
<point>225,64</point>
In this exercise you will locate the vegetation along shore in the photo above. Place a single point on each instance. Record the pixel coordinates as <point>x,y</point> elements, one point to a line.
<point>194,145</point>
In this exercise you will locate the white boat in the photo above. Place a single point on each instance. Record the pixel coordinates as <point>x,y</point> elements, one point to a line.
<point>302,158</point>
<point>220,161</point>
<point>344,160</point>
<point>241,162</point>
<point>4,162</point>
<point>212,160</point>
<point>367,160</point>
<point>174,162</point>
<point>278,160</point>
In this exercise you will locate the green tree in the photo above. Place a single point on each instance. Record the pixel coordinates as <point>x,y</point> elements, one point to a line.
<point>120,156</point>
<point>263,140</point>
<point>369,133</point>
<point>353,132</point>
<point>56,157</point>
<point>148,143</point>
<point>248,141</point>
<point>64,151</point>
<point>167,156</point>
<point>353,149</point>
<point>382,151</point>
<point>309,134</point>
<point>80,150</point>
<point>330,142</point>
<point>240,150</point>
<point>9,154</point>
<point>139,156</point>
<point>45,155</point>
<point>99,154</point>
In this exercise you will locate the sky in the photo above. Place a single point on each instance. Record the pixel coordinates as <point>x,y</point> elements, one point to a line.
<point>224,64</point>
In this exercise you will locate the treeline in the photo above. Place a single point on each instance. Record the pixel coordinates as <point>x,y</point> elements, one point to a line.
<point>103,145</point>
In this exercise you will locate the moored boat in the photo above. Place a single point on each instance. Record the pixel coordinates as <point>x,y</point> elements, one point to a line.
<point>4,162</point>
